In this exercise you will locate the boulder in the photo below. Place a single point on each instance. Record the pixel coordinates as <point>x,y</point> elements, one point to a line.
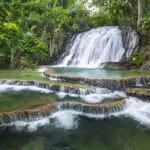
<point>130,40</point>
<point>115,65</point>
<point>146,66</point>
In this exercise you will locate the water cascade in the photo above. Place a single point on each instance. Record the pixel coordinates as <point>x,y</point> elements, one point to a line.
<point>96,109</point>
<point>45,110</point>
<point>98,46</point>
<point>113,84</point>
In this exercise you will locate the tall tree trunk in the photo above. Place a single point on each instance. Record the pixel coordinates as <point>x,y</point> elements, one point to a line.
<point>55,3</point>
<point>140,12</point>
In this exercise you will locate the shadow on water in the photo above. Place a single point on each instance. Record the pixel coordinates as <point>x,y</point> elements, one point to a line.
<point>91,134</point>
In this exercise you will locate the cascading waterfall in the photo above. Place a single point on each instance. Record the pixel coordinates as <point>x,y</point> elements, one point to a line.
<point>97,46</point>
<point>134,108</point>
<point>102,109</point>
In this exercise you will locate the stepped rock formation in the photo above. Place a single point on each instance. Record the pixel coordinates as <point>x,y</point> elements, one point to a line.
<point>52,87</point>
<point>31,114</point>
<point>37,112</point>
<point>112,84</point>
<point>96,109</point>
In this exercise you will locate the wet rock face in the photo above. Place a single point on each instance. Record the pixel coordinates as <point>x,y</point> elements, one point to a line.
<point>146,66</point>
<point>112,84</point>
<point>34,113</point>
<point>130,40</point>
<point>37,112</point>
<point>96,109</point>
<point>115,65</point>
<point>139,92</point>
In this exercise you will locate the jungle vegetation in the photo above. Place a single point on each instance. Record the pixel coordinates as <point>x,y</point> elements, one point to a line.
<point>33,32</point>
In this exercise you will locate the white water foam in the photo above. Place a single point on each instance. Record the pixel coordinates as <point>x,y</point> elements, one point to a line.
<point>6,87</point>
<point>99,94</point>
<point>135,108</point>
<point>95,47</point>
<point>97,98</point>
<point>42,69</point>
<point>138,110</point>
<point>65,119</point>
<point>92,48</point>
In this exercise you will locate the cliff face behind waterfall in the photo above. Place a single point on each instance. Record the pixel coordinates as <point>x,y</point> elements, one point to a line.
<point>98,46</point>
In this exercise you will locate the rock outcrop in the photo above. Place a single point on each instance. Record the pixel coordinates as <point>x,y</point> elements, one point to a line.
<point>37,112</point>
<point>115,65</point>
<point>97,109</point>
<point>146,66</point>
<point>139,92</point>
<point>31,114</point>
<point>130,40</point>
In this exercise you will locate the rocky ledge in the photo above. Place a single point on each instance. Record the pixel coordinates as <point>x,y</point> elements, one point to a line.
<point>112,84</point>
<point>146,66</point>
<point>57,87</point>
<point>139,92</point>
<point>33,113</point>
<point>45,109</point>
<point>96,109</point>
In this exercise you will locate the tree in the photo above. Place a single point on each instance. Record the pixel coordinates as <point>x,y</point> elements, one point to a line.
<point>140,12</point>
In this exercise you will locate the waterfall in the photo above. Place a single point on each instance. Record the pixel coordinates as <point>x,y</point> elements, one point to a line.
<point>101,109</point>
<point>96,47</point>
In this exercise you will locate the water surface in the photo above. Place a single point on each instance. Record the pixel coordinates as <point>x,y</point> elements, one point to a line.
<point>96,72</point>
<point>91,134</point>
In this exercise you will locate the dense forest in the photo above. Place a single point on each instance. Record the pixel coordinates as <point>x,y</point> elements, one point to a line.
<point>34,32</point>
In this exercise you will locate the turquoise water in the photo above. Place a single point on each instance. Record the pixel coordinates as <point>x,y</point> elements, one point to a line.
<point>12,100</point>
<point>114,133</point>
<point>96,73</point>
<point>91,134</point>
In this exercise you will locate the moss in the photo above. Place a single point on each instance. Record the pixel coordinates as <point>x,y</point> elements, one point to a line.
<point>20,74</point>
<point>137,60</point>
<point>10,101</point>
<point>34,75</point>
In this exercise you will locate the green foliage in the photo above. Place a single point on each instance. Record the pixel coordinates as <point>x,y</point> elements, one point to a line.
<point>137,60</point>
<point>145,24</point>
<point>32,32</point>
<point>120,11</point>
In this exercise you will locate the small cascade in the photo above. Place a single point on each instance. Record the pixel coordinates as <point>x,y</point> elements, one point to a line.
<point>49,88</point>
<point>95,85</point>
<point>98,46</point>
<point>97,109</point>
<point>112,84</point>
<point>32,114</point>
<point>45,110</point>
<point>23,116</point>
